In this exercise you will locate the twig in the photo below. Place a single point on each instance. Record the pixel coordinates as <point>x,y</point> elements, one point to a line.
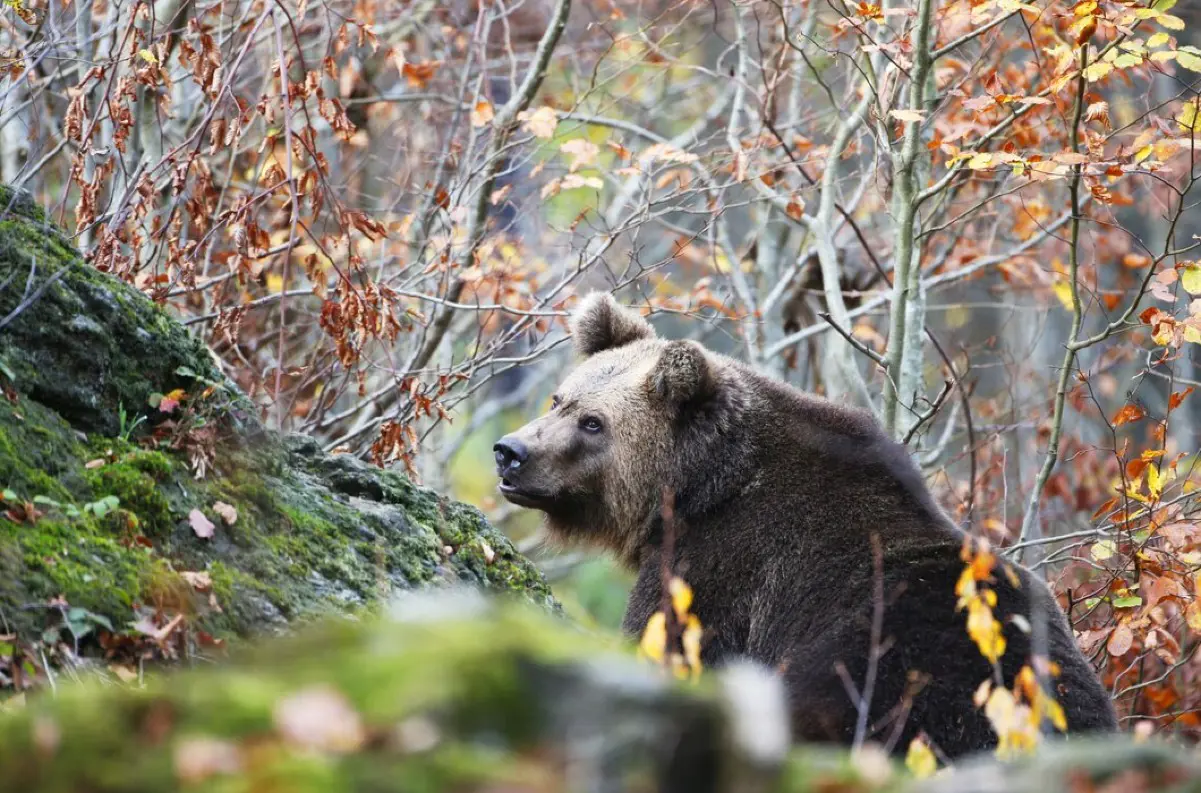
<point>929,414</point>
<point>32,298</point>
<point>667,551</point>
<point>1069,355</point>
<point>858,345</point>
<point>876,648</point>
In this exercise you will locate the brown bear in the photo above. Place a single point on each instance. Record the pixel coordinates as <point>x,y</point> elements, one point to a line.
<point>779,501</point>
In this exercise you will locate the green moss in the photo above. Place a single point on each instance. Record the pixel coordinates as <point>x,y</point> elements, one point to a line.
<point>90,344</point>
<point>19,203</point>
<point>477,683</point>
<point>65,558</point>
<point>133,480</point>
<point>37,450</point>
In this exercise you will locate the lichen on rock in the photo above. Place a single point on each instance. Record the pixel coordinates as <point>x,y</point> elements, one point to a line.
<point>102,515</point>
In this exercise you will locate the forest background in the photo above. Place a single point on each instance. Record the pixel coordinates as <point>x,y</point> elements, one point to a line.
<point>976,219</point>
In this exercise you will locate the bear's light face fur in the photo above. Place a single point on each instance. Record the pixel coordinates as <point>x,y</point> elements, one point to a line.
<point>598,460</point>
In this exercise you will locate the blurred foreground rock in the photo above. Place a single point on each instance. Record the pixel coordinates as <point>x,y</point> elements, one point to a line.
<point>455,695</point>
<point>145,514</point>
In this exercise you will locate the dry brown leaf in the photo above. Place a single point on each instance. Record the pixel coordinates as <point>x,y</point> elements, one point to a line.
<point>1120,640</point>
<point>201,582</point>
<point>227,513</point>
<point>541,123</point>
<point>582,153</point>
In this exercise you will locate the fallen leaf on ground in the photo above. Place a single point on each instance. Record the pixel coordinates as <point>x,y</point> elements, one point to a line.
<point>227,513</point>
<point>319,718</point>
<point>203,527</point>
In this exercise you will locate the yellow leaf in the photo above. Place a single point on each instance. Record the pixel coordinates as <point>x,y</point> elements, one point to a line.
<point>668,153</point>
<point>1192,615</point>
<point>1189,58</point>
<point>920,760</point>
<point>965,587</point>
<point>1190,279</point>
<point>1154,482</point>
<point>982,692</point>
<point>1063,291</point>
<point>1192,334</point>
<point>1001,710</point>
<point>654,637</point>
<point>980,161</point>
<point>148,56</point>
<point>1143,153</point>
<point>1103,550</point>
<point>1062,80</point>
<point>1162,56</point>
<point>1158,40</point>
<point>1054,714</point>
<point>681,597</point>
<point>1170,22</point>
<point>1165,149</point>
<point>691,639</point>
<point>1095,71</point>
<point>985,630</point>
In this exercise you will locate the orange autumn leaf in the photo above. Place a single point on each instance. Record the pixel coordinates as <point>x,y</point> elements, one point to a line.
<point>1178,397</point>
<point>419,74</point>
<point>1128,414</point>
<point>1135,468</point>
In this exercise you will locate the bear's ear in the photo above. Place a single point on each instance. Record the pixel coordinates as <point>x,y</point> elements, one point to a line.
<point>600,324</point>
<point>682,374</point>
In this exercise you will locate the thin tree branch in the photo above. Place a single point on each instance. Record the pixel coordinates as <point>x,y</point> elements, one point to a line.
<point>503,124</point>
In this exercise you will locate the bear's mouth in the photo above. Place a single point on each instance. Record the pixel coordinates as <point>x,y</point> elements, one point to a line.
<point>519,496</point>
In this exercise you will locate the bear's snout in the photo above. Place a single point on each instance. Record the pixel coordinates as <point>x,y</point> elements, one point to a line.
<point>516,484</point>
<point>510,454</point>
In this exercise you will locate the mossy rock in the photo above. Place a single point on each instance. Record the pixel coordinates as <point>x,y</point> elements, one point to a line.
<point>90,345</point>
<point>450,694</point>
<point>454,695</point>
<point>104,525</point>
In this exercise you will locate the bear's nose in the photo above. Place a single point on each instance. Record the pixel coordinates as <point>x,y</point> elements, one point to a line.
<point>510,453</point>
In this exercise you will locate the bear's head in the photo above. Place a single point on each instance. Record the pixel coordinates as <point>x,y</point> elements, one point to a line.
<point>637,415</point>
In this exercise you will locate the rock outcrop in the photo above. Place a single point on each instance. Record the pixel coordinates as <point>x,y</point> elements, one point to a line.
<point>109,411</point>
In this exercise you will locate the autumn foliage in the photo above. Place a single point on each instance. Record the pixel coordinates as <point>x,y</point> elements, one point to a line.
<point>975,217</point>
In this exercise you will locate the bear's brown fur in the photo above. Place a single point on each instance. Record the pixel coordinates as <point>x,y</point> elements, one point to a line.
<point>778,496</point>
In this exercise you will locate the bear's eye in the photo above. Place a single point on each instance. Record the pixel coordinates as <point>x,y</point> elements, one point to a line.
<point>555,402</point>
<point>590,424</point>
